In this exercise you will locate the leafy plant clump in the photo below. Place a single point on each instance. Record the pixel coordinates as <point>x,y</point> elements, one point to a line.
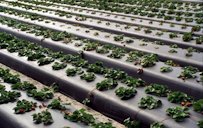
<point>125,92</point>
<point>173,35</point>
<point>3,72</point>
<point>166,69</point>
<point>198,106</point>
<point>96,68</point>
<point>58,66</point>
<point>149,102</point>
<point>80,116</point>
<point>134,56</point>
<point>89,76</point>
<point>103,125</point>
<point>23,106</point>
<point>172,51</point>
<point>45,61</point>
<point>131,123</point>
<point>157,90</point>
<point>133,82</point>
<point>74,71</point>
<point>10,78</point>
<point>149,60</point>
<point>157,125</point>
<point>199,40</point>
<point>33,56</point>
<point>180,97</point>
<point>58,36</point>
<point>200,124</point>
<point>115,74</point>
<point>187,37</point>
<point>196,28</point>
<point>71,71</point>
<point>117,53</point>
<point>43,117</point>
<point>188,72</point>
<point>106,84</point>
<point>41,95</point>
<point>24,86</point>
<point>118,38</point>
<point>56,104</point>
<point>178,113</point>
<point>90,46</point>
<point>2,87</point>
<point>8,96</point>
<point>171,63</point>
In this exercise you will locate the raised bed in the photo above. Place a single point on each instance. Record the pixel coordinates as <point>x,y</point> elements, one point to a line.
<point>11,120</point>
<point>139,34</point>
<point>93,56</point>
<point>127,16</point>
<point>127,28</point>
<point>190,86</point>
<point>162,24</point>
<point>179,7</point>
<point>132,46</point>
<point>112,105</point>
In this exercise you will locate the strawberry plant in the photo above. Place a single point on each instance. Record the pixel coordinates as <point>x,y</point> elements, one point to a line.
<point>188,72</point>
<point>187,37</point>
<point>24,86</point>
<point>199,40</point>
<point>90,46</point>
<point>157,125</point>
<point>3,72</point>
<point>106,84</point>
<point>41,95</point>
<point>115,74</point>
<point>198,106</point>
<point>149,60</point>
<point>149,102</point>
<point>58,66</point>
<point>125,93</point>
<point>171,63</point>
<point>131,123</point>
<point>71,71</point>
<point>58,36</point>
<point>196,28</point>
<point>134,56</point>
<point>96,68</point>
<point>44,117</point>
<point>56,104</point>
<point>23,106</point>
<point>81,116</point>
<point>103,125</point>
<point>178,113</point>
<point>157,90</point>
<point>117,53</point>
<point>45,61</point>
<point>118,38</point>
<point>173,35</point>
<point>33,56</point>
<point>8,96</point>
<point>89,76</point>
<point>2,87</point>
<point>9,78</point>
<point>133,82</point>
<point>172,51</point>
<point>180,97</point>
<point>166,69</point>
<point>200,124</point>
